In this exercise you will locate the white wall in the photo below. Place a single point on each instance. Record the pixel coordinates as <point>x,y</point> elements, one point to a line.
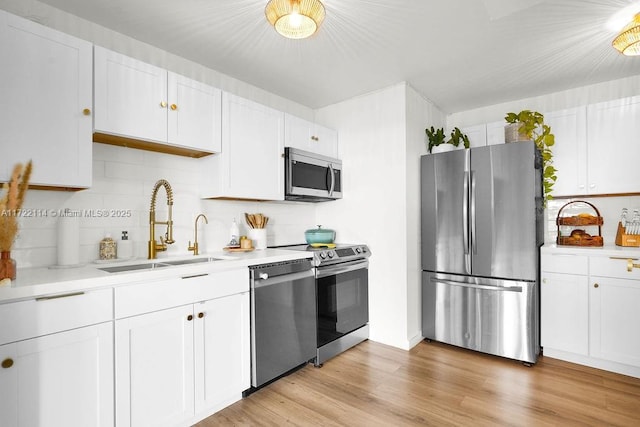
<point>420,114</point>
<point>381,138</point>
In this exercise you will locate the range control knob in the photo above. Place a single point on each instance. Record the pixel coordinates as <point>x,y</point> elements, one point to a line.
<point>358,250</point>
<point>330,254</point>
<point>323,255</point>
<point>364,249</point>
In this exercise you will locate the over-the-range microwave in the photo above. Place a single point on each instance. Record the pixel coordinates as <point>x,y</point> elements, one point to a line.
<point>311,177</point>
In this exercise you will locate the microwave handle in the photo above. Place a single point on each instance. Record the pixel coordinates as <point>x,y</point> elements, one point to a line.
<point>333,179</point>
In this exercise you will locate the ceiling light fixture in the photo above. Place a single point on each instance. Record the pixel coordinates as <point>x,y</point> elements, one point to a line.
<point>295,19</point>
<point>628,41</point>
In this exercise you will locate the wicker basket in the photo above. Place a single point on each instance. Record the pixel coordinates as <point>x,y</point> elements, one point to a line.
<point>579,237</point>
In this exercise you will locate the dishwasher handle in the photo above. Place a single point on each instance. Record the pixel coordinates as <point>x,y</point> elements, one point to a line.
<point>260,282</point>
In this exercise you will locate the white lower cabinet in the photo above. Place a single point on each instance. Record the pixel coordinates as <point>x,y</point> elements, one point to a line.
<point>178,365</point>
<point>155,368</point>
<point>615,315</point>
<point>564,309</point>
<point>62,379</point>
<point>222,352</point>
<point>589,309</point>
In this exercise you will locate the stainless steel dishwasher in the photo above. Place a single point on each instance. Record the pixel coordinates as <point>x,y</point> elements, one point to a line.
<point>283,318</point>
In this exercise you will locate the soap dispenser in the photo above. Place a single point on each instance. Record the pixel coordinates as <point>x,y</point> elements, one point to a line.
<point>125,247</point>
<point>234,235</point>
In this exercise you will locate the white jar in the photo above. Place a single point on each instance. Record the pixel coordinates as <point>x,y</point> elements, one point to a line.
<point>259,237</point>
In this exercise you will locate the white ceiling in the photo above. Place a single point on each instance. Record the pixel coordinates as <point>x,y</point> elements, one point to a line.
<point>461,54</point>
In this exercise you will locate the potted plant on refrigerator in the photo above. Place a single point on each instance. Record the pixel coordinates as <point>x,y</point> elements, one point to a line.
<point>437,138</point>
<point>529,126</point>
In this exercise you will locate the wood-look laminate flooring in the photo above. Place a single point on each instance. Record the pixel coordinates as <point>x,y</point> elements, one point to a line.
<point>435,384</point>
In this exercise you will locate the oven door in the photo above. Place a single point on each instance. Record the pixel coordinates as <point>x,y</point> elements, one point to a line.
<point>312,177</point>
<point>343,299</point>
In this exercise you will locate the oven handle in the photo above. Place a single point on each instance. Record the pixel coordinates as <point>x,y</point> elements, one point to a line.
<point>341,268</point>
<point>269,281</point>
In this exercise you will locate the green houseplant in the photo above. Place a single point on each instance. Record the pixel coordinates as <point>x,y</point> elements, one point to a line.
<point>437,137</point>
<point>531,127</point>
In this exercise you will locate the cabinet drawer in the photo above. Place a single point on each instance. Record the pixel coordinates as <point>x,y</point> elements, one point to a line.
<point>162,294</point>
<point>565,263</point>
<point>613,267</point>
<point>55,313</point>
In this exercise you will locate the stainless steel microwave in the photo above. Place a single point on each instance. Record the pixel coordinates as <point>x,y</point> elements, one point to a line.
<point>311,177</point>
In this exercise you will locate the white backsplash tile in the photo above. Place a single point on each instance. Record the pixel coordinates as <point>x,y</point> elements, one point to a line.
<point>123,180</point>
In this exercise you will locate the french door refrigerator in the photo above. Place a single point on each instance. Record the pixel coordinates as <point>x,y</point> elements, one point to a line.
<point>482,229</point>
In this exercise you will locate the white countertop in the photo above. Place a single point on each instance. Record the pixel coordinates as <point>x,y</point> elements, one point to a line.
<point>606,250</point>
<point>40,281</point>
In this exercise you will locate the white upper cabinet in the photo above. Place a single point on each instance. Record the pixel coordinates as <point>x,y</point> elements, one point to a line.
<point>495,132</point>
<point>613,132</point>
<point>477,135</point>
<point>46,103</point>
<point>130,97</point>
<point>569,128</point>
<point>309,136</point>
<point>194,115</point>
<point>139,101</point>
<point>251,164</point>
<point>484,134</point>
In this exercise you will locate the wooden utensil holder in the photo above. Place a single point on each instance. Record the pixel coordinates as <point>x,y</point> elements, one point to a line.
<point>624,239</point>
<point>578,237</point>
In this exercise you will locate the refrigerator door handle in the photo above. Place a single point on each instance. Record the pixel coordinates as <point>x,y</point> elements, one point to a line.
<point>476,286</point>
<point>474,246</point>
<point>465,214</point>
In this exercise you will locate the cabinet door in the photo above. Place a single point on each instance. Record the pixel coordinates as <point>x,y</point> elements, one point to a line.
<point>495,132</point>
<point>252,150</point>
<point>564,317</point>
<point>614,320</point>
<point>613,132</point>
<point>570,150</point>
<point>45,81</point>
<point>222,350</point>
<point>325,141</point>
<point>297,132</point>
<point>63,379</point>
<point>308,136</point>
<point>477,135</point>
<point>154,368</point>
<point>130,97</point>
<point>194,116</point>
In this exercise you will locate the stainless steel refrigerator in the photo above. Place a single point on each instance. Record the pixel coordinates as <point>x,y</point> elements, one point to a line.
<point>482,230</point>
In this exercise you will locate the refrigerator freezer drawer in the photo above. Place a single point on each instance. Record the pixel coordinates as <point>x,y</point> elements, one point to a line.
<point>493,316</point>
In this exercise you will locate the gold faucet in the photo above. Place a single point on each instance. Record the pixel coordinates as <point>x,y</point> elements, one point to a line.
<point>194,248</point>
<point>153,245</point>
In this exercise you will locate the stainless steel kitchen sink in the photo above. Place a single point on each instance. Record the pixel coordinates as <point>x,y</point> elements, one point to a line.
<point>192,261</point>
<point>146,266</point>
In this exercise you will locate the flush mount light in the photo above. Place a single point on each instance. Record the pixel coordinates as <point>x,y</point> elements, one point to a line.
<point>628,41</point>
<point>295,19</point>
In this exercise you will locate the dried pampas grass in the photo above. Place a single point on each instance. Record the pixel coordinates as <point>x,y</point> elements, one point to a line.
<point>11,203</point>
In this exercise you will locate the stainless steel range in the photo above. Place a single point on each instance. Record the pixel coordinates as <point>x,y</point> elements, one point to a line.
<point>342,292</point>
